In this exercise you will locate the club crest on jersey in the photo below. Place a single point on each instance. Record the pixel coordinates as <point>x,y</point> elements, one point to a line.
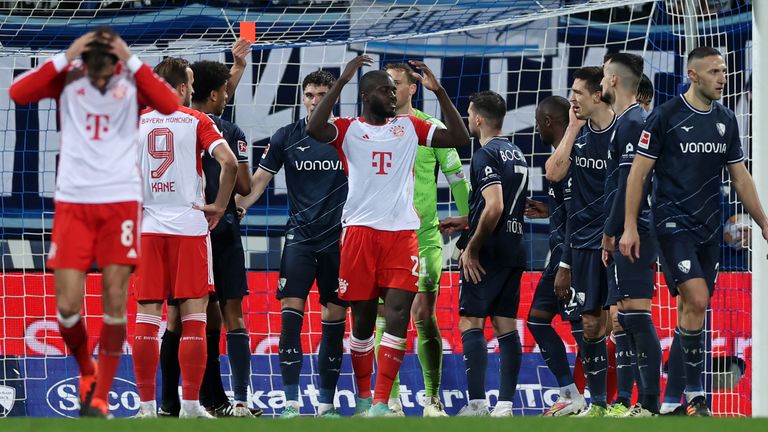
<point>281,283</point>
<point>645,140</point>
<point>242,148</point>
<point>343,286</point>
<point>397,131</point>
<point>720,128</point>
<point>684,266</point>
<point>7,400</point>
<point>119,92</point>
<point>266,150</point>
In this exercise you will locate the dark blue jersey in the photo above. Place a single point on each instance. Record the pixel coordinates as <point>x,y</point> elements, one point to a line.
<point>559,196</point>
<point>235,137</point>
<point>588,170</point>
<point>621,153</point>
<point>691,147</point>
<point>316,183</point>
<point>500,162</point>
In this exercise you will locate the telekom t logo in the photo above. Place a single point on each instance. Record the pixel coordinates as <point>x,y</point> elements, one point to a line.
<point>97,123</point>
<point>382,160</point>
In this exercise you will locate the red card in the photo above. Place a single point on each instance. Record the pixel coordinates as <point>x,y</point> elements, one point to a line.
<point>248,31</point>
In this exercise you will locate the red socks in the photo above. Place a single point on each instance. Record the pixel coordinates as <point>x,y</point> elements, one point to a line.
<point>110,350</point>
<point>146,354</point>
<point>391,353</point>
<point>362,364</point>
<point>75,336</point>
<point>192,348</point>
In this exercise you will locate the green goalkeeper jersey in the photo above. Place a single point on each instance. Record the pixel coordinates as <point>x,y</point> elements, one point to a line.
<point>425,191</point>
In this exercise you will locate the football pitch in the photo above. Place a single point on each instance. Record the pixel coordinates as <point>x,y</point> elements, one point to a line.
<point>411,424</point>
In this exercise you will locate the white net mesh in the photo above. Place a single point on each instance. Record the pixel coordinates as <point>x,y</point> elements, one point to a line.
<point>525,50</point>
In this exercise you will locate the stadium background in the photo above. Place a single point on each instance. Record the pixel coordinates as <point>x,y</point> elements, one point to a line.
<point>525,61</point>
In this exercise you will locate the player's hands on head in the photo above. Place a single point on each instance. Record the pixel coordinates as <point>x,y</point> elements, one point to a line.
<point>212,213</point>
<point>629,245</point>
<point>79,46</point>
<point>120,48</point>
<point>608,246</point>
<point>427,78</point>
<point>563,284</point>
<point>353,66</point>
<point>575,121</point>
<point>469,261</point>
<point>240,50</point>
<point>536,209</point>
<point>452,224</point>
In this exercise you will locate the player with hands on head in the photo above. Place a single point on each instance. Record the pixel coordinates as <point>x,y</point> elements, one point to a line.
<point>379,249</point>
<point>99,86</point>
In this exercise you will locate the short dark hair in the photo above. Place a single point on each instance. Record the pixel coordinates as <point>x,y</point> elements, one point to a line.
<point>702,52</point>
<point>592,75</point>
<point>173,70</point>
<point>372,79</point>
<point>633,64</point>
<point>319,78</point>
<point>405,67</point>
<point>99,50</point>
<point>491,106</point>
<point>645,89</point>
<point>209,76</point>
<point>556,107</point>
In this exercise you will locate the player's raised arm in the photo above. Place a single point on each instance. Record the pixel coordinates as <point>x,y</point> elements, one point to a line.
<point>455,134</point>
<point>153,90</point>
<point>241,49</point>
<point>318,126</point>
<point>556,167</point>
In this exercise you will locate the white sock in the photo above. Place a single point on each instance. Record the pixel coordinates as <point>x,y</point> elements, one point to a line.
<point>393,401</point>
<point>478,402</point>
<point>323,407</point>
<point>190,405</point>
<point>150,406</point>
<point>668,407</point>
<point>245,404</point>
<point>292,404</point>
<point>503,405</point>
<point>569,392</point>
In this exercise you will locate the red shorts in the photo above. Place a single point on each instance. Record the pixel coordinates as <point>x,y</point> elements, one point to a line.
<point>372,259</point>
<point>107,233</point>
<point>173,266</point>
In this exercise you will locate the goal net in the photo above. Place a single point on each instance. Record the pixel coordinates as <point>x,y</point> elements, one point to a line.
<point>525,50</point>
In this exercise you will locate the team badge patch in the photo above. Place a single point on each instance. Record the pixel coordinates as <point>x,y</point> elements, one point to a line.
<point>281,283</point>
<point>242,148</point>
<point>266,150</point>
<point>684,266</point>
<point>397,131</point>
<point>7,400</point>
<point>721,128</point>
<point>343,286</point>
<point>119,92</point>
<point>645,140</point>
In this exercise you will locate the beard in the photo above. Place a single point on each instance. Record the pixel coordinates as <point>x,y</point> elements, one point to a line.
<point>607,97</point>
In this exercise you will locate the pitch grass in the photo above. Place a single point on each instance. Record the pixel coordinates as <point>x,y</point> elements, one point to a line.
<point>411,424</point>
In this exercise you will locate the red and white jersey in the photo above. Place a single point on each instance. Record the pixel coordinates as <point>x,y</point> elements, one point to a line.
<point>99,131</point>
<point>379,162</point>
<point>171,162</point>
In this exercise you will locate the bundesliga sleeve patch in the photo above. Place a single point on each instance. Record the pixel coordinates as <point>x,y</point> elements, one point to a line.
<point>242,148</point>
<point>266,150</point>
<point>645,140</point>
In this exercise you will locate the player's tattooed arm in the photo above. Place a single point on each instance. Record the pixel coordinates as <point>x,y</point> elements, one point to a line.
<point>455,134</point>
<point>318,126</point>
<point>745,188</point>
<point>557,164</point>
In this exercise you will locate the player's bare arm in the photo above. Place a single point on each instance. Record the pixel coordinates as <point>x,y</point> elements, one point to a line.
<point>318,126</point>
<point>638,174</point>
<point>557,164</point>
<point>607,246</point>
<point>453,224</point>
<point>214,211</point>
<point>455,134</point>
<point>563,283</point>
<point>742,181</point>
<point>243,179</point>
<point>259,181</point>
<point>536,209</point>
<point>240,51</point>
<point>489,218</point>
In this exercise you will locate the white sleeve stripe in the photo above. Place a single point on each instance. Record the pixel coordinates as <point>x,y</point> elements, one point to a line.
<point>134,63</point>
<point>489,184</point>
<point>60,61</point>
<point>430,134</point>
<point>640,152</point>
<point>625,164</point>
<point>269,170</point>
<point>215,144</point>
<point>731,162</point>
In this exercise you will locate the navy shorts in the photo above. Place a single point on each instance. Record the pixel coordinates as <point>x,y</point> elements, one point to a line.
<point>613,288</point>
<point>636,280</point>
<point>300,267</point>
<point>497,294</point>
<point>544,298</point>
<point>589,282</point>
<point>229,276</point>
<point>683,259</point>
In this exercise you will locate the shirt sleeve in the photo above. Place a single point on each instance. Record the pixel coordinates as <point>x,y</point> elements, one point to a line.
<point>649,144</point>
<point>453,169</point>
<point>239,144</point>
<point>208,134</point>
<point>734,152</point>
<point>342,125</point>
<point>424,130</point>
<point>44,81</point>
<point>272,159</point>
<point>486,170</point>
<point>626,139</point>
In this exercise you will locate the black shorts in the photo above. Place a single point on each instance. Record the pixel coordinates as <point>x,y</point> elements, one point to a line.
<point>636,280</point>
<point>614,295</point>
<point>300,267</point>
<point>683,259</point>
<point>589,282</point>
<point>229,275</point>
<point>544,298</point>
<point>497,294</point>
